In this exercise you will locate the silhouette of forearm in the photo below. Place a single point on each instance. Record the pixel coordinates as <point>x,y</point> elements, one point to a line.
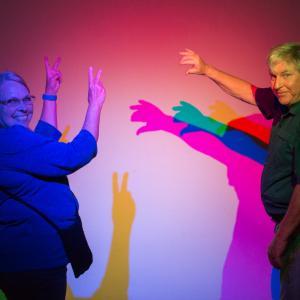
<point>258,131</point>
<point>208,143</point>
<point>116,279</point>
<point>201,141</point>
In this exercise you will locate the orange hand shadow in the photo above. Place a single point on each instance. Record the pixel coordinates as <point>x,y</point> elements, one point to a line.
<point>114,285</point>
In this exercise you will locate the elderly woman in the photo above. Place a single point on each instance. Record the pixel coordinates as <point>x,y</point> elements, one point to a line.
<point>40,229</point>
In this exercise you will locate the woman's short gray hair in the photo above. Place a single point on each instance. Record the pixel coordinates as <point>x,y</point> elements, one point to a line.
<point>289,52</point>
<point>12,76</point>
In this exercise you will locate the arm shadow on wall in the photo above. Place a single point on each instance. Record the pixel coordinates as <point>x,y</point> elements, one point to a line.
<point>114,285</point>
<point>239,143</point>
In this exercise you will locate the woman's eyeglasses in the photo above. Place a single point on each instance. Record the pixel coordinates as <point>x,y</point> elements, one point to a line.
<point>15,102</point>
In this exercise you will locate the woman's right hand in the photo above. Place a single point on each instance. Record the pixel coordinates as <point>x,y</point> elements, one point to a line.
<point>96,91</point>
<point>96,97</point>
<point>190,57</point>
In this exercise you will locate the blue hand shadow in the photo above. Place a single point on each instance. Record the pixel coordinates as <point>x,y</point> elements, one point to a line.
<point>237,141</point>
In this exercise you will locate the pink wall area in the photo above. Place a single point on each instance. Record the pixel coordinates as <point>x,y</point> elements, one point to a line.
<point>186,220</point>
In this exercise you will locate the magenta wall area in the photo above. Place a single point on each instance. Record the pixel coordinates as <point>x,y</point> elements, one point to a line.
<point>169,216</point>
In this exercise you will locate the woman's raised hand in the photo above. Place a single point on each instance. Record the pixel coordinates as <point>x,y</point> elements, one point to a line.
<point>53,76</point>
<point>96,92</point>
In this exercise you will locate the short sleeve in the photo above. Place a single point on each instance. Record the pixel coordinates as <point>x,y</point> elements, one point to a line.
<point>47,130</point>
<point>266,102</point>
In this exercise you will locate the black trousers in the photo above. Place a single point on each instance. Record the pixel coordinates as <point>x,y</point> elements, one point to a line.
<point>47,284</point>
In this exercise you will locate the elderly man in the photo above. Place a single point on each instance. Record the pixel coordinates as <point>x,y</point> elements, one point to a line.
<point>280,185</point>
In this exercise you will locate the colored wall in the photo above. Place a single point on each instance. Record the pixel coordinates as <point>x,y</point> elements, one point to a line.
<point>174,212</point>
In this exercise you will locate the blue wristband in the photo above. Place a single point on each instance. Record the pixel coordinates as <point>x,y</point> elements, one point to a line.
<point>49,97</point>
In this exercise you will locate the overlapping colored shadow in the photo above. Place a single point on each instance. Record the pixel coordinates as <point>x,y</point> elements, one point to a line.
<point>114,285</point>
<point>241,146</point>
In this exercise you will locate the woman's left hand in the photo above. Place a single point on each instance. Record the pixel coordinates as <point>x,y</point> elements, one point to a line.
<point>53,76</point>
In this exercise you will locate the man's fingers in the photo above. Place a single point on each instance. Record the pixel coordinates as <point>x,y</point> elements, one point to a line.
<point>187,61</point>
<point>272,260</point>
<point>276,261</point>
<point>186,51</point>
<point>191,71</point>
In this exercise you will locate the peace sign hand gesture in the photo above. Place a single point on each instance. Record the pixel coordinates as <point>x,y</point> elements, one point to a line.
<point>123,212</point>
<point>53,76</point>
<point>96,93</point>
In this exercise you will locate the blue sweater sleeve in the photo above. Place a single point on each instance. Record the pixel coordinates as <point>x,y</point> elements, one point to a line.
<point>47,130</point>
<point>53,159</point>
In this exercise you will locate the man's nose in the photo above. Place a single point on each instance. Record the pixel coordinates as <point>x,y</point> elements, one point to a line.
<point>277,84</point>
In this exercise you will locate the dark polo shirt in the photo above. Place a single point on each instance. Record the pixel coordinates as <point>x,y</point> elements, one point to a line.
<point>282,167</point>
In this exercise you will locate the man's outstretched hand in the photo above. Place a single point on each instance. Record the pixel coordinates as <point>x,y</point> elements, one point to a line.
<point>198,65</point>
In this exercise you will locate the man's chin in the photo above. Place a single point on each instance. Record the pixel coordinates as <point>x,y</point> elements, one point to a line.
<point>284,100</point>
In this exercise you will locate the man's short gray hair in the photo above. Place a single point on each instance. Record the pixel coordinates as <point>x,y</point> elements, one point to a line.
<point>289,52</point>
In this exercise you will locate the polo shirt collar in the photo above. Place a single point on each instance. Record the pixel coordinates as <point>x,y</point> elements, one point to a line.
<point>295,108</point>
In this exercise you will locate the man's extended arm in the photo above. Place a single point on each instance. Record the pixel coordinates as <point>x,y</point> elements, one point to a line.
<point>234,86</point>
